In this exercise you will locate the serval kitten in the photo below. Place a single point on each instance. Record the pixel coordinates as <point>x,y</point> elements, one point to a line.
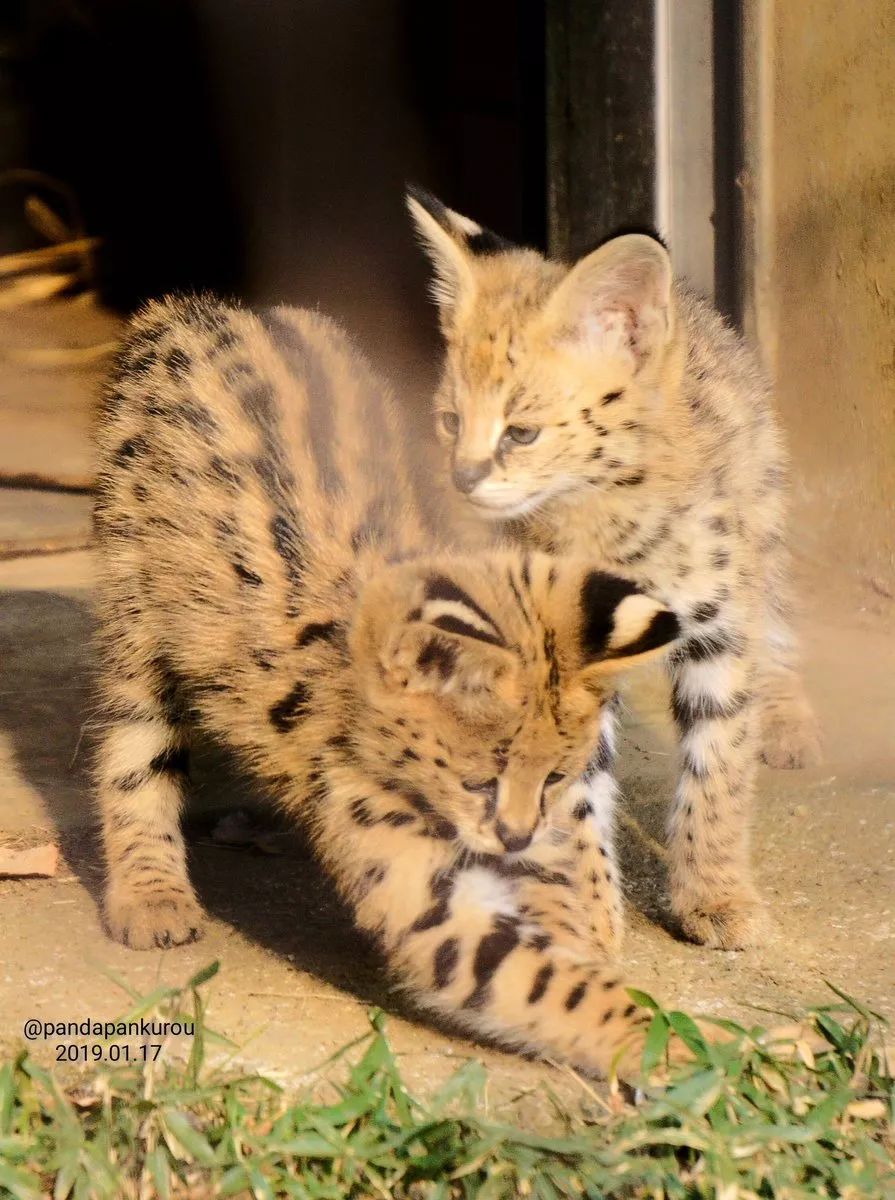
<point>431,717</point>
<point>605,411</point>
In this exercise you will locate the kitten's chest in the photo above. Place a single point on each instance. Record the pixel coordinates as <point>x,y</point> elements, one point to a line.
<point>661,547</point>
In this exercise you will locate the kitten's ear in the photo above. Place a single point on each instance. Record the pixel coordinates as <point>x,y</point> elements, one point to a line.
<point>417,630</point>
<point>616,301</point>
<point>464,671</point>
<point>619,625</point>
<point>452,242</point>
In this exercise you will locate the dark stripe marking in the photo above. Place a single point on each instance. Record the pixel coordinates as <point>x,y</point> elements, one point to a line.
<point>439,587</point>
<point>441,887</point>
<point>318,631</point>
<point>307,367</point>
<point>541,981</point>
<point>445,962</point>
<point>286,713</point>
<point>490,953</point>
<point>451,624</point>
<point>688,710</point>
<point>576,995</point>
<point>662,629</point>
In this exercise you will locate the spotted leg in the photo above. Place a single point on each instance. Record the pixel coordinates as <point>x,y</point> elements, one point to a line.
<point>141,771</point>
<point>713,677</point>
<point>588,814</point>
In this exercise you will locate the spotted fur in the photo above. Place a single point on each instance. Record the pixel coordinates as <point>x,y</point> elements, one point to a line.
<point>604,410</point>
<point>266,573</point>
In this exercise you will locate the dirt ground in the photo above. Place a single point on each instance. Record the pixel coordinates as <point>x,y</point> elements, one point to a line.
<point>295,982</point>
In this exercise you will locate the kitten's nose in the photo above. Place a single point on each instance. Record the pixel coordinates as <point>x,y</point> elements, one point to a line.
<point>512,839</point>
<point>468,474</point>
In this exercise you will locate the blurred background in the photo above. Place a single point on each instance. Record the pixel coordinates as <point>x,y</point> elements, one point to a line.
<point>262,151</point>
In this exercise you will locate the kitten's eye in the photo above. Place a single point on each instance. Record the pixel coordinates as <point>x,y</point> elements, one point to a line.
<point>474,785</point>
<point>553,777</point>
<point>450,422</point>
<point>523,435</point>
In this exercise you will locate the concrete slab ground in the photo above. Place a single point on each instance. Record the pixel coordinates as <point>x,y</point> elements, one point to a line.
<point>295,981</point>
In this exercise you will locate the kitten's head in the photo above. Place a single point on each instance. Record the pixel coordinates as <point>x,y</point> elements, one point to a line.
<point>551,372</point>
<point>482,683</point>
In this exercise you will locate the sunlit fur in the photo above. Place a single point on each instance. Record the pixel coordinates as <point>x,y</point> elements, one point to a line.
<point>441,723</point>
<point>656,454</point>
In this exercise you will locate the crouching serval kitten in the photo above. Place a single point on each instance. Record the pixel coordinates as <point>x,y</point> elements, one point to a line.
<point>431,717</point>
<point>605,411</point>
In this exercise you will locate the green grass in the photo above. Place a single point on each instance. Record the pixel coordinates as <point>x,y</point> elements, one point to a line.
<point>739,1123</point>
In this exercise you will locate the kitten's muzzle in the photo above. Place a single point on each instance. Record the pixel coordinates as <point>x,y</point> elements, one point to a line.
<point>468,475</point>
<point>514,840</point>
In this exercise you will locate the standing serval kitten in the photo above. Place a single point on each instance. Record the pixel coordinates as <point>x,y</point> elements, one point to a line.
<point>605,411</point>
<point>432,718</point>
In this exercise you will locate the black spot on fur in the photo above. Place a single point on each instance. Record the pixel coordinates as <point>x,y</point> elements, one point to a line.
<point>610,398</point>
<point>437,655</point>
<point>289,546</point>
<point>582,810</point>
<point>319,631</point>
<point>264,659</point>
<point>706,611</point>
<point>541,982</point>
<point>441,887</point>
<point>632,480</point>
<point>129,450</point>
<point>576,995</point>
<point>360,814</point>
<point>246,575</point>
<point>490,953</point>
<point>437,826</point>
<point>178,363</point>
<point>286,713</point>
<point>397,819</point>
<point>224,471</point>
<point>445,962</point>
<point>372,877</point>
<point>720,559</point>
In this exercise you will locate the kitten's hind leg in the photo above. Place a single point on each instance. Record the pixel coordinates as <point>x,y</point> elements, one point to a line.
<point>789,735</point>
<point>141,771</point>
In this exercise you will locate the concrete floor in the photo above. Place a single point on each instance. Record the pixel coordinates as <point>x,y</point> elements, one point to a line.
<point>295,981</point>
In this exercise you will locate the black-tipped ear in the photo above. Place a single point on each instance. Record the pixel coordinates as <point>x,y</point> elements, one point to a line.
<point>452,242</point>
<point>619,622</point>
<point>475,239</point>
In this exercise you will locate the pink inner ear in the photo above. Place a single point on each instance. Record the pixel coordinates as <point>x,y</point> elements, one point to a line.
<point>624,329</point>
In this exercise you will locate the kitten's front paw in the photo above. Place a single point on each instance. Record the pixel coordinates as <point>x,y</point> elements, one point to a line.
<point>725,925</point>
<point>157,919</point>
<point>790,740</point>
